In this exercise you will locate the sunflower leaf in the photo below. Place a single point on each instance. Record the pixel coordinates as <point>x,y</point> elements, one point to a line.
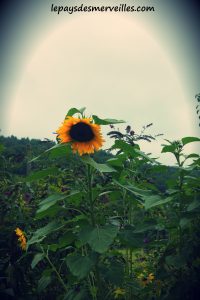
<point>74,111</point>
<point>44,281</point>
<point>103,168</point>
<point>79,265</point>
<point>42,174</point>
<point>168,148</point>
<point>42,232</point>
<point>190,139</point>
<point>146,156</point>
<point>125,147</point>
<point>57,150</point>
<point>37,258</point>
<point>99,121</point>
<point>99,238</point>
<point>155,200</point>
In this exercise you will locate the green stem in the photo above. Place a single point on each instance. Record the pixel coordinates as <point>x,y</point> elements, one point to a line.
<point>93,221</point>
<point>91,283</point>
<point>90,194</point>
<point>92,286</point>
<point>180,186</point>
<point>57,273</point>
<point>127,264</point>
<point>75,209</point>
<point>55,270</point>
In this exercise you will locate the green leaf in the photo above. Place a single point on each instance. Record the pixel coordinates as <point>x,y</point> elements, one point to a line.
<point>42,174</point>
<point>1,148</point>
<point>85,234</point>
<point>37,258</point>
<point>184,222</point>
<point>103,168</point>
<point>139,191</point>
<point>59,150</point>
<point>133,151</point>
<point>131,239</point>
<point>44,281</point>
<point>195,204</point>
<point>75,197</point>
<point>52,200</point>
<point>192,155</point>
<point>145,156</point>
<point>72,295</point>
<point>168,148</point>
<point>102,238</point>
<point>117,161</point>
<point>145,227</point>
<point>114,274</point>
<point>49,212</point>
<point>45,207</point>
<point>175,261</point>
<point>79,219</point>
<point>99,121</point>
<point>155,200</point>
<point>66,240</point>
<point>134,190</point>
<point>74,111</point>
<point>79,265</point>
<point>189,139</point>
<point>41,233</point>
<point>99,238</point>
<point>126,148</point>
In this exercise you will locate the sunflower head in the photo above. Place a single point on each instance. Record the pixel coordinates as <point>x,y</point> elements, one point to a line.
<point>151,277</point>
<point>18,231</point>
<point>84,135</point>
<point>21,238</point>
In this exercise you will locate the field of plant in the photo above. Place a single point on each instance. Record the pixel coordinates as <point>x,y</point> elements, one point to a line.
<point>82,223</point>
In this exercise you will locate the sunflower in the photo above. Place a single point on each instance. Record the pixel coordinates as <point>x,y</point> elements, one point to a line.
<point>18,232</point>
<point>151,277</point>
<point>21,238</point>
<point>145,280</point>
<point>85,136</point>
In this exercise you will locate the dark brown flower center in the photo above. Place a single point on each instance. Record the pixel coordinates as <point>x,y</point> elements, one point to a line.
<point>81,132</point>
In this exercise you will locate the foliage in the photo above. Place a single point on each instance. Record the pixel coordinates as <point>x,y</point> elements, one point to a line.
<point>198,106</point>
<point>104,226</point>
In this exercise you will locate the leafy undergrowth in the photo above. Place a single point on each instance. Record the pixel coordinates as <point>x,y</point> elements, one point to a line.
<point>113,225</point>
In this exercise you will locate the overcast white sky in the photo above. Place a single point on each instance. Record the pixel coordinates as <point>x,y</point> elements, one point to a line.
<point>115,65</point>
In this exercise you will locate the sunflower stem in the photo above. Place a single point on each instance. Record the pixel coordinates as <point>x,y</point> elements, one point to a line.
<point>54,269</point>
<point>90,194</point>
<point>93,221</point>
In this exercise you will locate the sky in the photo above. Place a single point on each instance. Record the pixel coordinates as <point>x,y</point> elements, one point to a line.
<point>139,67</point>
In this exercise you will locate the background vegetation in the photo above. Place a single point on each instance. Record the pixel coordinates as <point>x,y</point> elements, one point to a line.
<point>114,225</point>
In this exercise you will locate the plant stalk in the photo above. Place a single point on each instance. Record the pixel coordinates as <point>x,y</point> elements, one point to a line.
<point>55,270</point>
